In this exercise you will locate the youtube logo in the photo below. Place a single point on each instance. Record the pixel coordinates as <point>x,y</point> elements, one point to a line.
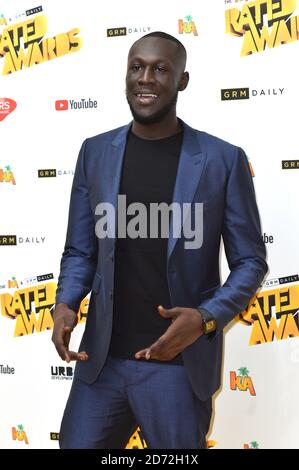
<point>7,106</point>
<point>75,105</point>
<point>61,105</point>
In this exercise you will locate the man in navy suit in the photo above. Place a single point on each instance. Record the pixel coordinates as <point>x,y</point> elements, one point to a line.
<point>151,352</point>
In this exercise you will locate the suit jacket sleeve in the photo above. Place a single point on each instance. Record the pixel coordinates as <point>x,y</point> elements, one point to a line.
<point>78,263</point>
<point>244,247</point>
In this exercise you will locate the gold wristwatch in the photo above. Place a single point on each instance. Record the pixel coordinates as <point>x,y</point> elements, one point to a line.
<point>209,324</point>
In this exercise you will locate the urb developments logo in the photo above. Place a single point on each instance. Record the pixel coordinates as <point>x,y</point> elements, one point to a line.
<point>32,307</point>
<point>7,106</point>
<point>64,105</point>
<point>61,373</point>
<point>273,315</point>
<point>242,381</point>
<point>23,45</point>
<point>263,23</point>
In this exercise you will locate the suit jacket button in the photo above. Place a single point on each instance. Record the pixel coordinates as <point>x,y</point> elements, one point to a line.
<point>111,295</point>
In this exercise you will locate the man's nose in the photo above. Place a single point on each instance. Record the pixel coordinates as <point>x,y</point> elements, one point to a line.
<point>147,76</point>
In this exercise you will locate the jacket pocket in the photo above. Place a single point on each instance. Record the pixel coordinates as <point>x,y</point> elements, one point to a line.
<point>96,283</point>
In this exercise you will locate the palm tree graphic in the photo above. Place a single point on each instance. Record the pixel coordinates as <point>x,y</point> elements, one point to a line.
<point>243,371</point>
<point>20,429</point>
<point>254,445</point>
<point>188,18</point>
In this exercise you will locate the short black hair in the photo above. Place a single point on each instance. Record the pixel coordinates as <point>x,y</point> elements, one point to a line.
<point>161,34</point>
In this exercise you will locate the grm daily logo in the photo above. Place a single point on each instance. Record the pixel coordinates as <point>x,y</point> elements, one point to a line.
<point>229,94</point>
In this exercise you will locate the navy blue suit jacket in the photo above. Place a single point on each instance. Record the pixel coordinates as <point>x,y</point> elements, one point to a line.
<point>210,171</point>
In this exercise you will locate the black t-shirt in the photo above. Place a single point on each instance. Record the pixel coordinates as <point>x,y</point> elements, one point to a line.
<point>140,282</point>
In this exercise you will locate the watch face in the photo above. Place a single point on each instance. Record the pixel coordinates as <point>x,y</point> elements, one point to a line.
<point>210,326</point>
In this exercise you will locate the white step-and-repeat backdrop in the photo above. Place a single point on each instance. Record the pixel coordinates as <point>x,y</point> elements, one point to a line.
<point>62,79</point>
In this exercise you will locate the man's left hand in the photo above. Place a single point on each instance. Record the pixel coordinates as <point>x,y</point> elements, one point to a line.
<point>186,327</point>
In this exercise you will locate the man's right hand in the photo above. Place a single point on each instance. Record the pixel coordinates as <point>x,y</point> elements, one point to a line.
<point>65,320</point>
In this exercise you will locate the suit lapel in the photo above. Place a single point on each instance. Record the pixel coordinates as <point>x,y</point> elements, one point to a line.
<point>112,175</point>
<point>190,168</point>
<point>114,162</point>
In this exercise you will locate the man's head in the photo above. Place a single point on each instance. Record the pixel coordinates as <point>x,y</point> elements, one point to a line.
<point>155,75</point>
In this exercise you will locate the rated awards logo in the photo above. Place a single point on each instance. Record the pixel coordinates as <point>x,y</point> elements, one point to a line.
<point>23,44</point>
<point>32,308</point>
<point>263,24</point>
<point>137,440</point>
<point>273,315</point>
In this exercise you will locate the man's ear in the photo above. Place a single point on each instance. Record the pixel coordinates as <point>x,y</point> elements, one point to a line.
<point>184,81</point>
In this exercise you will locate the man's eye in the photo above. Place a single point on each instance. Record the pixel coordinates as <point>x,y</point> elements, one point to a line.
<point>136,67</point>
<point>161,69</point>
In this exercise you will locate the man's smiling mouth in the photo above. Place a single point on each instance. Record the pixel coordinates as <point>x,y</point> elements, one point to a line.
<point>146,98</point>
